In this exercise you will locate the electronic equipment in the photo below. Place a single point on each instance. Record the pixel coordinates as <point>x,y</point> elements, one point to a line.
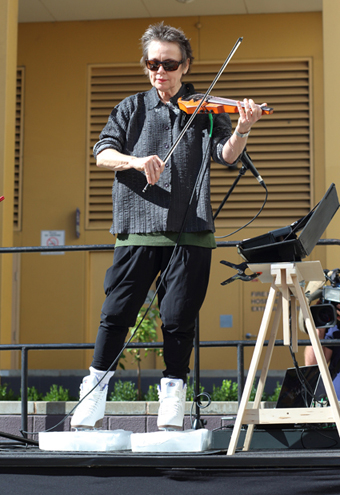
<point>283,245</point>
<point>299,387</point>
<point>324,313</point>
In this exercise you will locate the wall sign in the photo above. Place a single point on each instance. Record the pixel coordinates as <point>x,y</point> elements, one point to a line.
<point>50,238</point>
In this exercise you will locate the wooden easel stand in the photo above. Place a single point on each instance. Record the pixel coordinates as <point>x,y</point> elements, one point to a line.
<point>286,282</point>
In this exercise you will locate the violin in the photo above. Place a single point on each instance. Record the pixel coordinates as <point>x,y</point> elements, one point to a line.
<point>212,104</point>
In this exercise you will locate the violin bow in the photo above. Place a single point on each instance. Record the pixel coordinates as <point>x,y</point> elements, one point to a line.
<point>188,124</point>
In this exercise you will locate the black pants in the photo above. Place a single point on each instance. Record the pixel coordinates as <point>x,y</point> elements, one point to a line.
<point>180,297</point>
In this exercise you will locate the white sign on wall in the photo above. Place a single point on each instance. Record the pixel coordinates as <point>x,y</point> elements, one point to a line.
<point>52,238</point>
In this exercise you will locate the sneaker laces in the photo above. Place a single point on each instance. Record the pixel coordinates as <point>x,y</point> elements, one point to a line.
<point>96,393</point>
<point>176,399</point>
<point>95,400</point>
<point>173,402</point>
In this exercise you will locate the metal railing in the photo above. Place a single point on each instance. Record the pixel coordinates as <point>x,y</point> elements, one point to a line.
<point>110,247</point>
<point>239,344</point>
<point>25,348</point>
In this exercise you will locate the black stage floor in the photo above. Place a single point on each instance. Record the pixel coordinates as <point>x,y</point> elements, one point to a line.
<point>26,470</point>
<point>13,455</point>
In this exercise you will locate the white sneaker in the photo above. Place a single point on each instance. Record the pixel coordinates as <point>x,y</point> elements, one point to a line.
<point>172,395</point>
<point>91,410</point>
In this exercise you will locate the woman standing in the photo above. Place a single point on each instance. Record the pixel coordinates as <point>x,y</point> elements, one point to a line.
<point>139,132</point>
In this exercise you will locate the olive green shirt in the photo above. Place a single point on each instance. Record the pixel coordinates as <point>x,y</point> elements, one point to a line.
<point>202,239</point>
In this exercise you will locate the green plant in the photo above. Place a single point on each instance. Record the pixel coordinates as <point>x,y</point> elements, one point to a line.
<point>147,324</point>
<point>6,394</point>
<point>57,394</point>
<point>227,392</point>
<point>127,391</point>
<point>276,393</point>
<point>253,392</point>
<point>33,394</point>
<point>124,391</point>
<point>152,393</point>
<point>191,391</point>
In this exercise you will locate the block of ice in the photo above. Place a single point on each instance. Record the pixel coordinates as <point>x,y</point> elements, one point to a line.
<point>85,440</point>
<point>172,441</point>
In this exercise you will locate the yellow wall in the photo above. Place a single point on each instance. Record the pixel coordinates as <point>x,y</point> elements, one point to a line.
<point>331,16</point>
<point>61,294</point>
<point>8,49</point>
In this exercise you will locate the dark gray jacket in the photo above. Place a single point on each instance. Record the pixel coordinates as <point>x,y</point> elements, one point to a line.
<point>141,125</point>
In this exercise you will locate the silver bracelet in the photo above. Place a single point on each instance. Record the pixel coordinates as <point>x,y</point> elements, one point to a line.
<point>238,134</point>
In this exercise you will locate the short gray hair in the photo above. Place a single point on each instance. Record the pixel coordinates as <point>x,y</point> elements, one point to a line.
<point>160,32</point>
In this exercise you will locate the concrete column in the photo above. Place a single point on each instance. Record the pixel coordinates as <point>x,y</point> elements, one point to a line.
<point>8,66</point>
<point>331,41</point>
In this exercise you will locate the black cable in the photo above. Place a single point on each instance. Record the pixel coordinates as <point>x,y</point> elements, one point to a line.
<point>199,404</point>
<point>198,182</point>
<point>254,218</point>
<point>299,224</point>
<point>321,433</point>
<point>197,186</point>
<point>306,387</point>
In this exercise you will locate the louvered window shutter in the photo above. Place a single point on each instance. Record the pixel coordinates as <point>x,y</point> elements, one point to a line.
<point>19,125</point>
<point>279,144</point>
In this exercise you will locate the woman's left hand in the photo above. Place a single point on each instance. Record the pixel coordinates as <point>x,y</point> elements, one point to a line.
<point>249,114</point>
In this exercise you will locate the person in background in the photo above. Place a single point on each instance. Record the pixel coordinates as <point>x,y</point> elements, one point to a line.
<point>332,353</point>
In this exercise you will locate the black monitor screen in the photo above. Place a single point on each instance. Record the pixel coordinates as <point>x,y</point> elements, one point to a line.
<point>293,392</point>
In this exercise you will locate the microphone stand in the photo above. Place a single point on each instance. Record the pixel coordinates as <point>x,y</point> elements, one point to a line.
<point>198,423</point>
<point>241,172</point>
<point>247,164</point>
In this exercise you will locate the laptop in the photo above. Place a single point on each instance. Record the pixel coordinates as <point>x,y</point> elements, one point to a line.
<point>293,392</point>
<point>299,387</point>
<point>283,245</point>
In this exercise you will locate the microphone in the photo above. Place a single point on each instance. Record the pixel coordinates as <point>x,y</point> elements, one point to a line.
<point>245,159</point>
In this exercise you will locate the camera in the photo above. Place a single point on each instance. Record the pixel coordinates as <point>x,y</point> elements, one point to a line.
<point>324,314</point>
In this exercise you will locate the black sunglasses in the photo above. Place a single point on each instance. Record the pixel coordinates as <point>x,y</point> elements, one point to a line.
<point>168,65</point>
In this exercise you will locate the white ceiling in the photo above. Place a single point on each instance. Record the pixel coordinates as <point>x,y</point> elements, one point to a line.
<point>86,10</point>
